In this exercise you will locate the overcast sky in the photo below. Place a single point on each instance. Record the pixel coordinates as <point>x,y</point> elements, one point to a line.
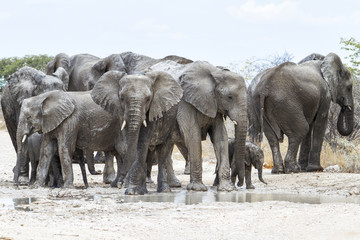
<point>220,32</point>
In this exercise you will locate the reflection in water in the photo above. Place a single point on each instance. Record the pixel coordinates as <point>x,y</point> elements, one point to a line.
<point>185,197</point>
<point>17,203</point>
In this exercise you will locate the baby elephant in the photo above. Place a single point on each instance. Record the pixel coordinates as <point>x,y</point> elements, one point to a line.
<point>254,156</point>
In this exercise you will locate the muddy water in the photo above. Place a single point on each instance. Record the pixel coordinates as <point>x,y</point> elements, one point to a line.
<point>17,203</point>
<point>188,198</point>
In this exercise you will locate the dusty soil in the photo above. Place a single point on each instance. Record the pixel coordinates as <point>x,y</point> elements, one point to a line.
<point>101,212</point>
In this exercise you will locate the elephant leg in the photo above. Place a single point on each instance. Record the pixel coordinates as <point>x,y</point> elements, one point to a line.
<point>83,172</point>
<point>171,177</point>
<point>191,133</point>
<point>291,166</point>
<point>184,152</point>
<point>164,162</point>
<point>275,149</point>
<point>137,173</point>
<point>109,170</point>
<point>305,150</point>
<point>150,161</point>
<point>248,177</point>
<point>66,151</point>
<point>317,141</point>
<point>219,138</point>
<point>47,152</point>
<point>89,159</point>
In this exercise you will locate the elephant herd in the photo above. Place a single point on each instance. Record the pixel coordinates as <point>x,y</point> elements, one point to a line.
<point>136,109</point>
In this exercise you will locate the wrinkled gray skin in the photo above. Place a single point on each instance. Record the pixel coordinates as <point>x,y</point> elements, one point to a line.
<point>146,105</point>
<point>24,83</point>
<point>67,120</point>
<point>254,156</point>
<point>85,69</point>
<point>210,94</point>
<point>294,99</point>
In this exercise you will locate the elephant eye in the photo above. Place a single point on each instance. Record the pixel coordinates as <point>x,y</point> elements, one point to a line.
<point>147,99</point>
<point>230,97</point>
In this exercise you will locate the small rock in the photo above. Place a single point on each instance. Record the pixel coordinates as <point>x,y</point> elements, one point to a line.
<point>334,168</point>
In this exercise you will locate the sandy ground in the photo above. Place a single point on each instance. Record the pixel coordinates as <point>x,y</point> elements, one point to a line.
<point>316,206</point>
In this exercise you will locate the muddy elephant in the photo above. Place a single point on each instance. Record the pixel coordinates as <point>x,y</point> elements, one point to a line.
<point>210,95</point>
<point>24,83</point>
<point>294,99</point>
<point>254,157</point>
<point>146,105</point>
<point>85,69</point>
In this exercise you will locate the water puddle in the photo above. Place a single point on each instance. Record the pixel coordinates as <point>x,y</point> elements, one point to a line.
<point>21,204</point>
<point>188,198</point>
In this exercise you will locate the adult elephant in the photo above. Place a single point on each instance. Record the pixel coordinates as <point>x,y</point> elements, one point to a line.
<point>24,83</point>
<point>294,99</point>
<point>137,100</point>
<point>74,120</point>
<point>85,69</point>
<point>210,95</point>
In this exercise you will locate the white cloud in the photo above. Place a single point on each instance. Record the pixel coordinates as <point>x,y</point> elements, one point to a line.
<point>253,11</point>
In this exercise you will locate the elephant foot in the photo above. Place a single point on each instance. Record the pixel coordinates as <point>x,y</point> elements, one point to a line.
<point>94,172</point>
<point>23,180</point>
<point>314,168</point>
<point>107,179</point>
<point>149,180</point>
<point>174,182</point>
<point>277,169</point>
<point>250,186</point>
<point>135,190</point>
<point>163,188</point>
<point>196,186</point>
<point>226,186</point>
<point>68,185</point>
<point>292,168</point>
<point>117,184</point>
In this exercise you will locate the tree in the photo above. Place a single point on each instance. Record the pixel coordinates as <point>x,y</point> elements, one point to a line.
<point>251,67</point>
<point>352,46</point>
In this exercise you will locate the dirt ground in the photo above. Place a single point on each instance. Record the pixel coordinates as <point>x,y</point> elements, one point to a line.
<point>295,206</point>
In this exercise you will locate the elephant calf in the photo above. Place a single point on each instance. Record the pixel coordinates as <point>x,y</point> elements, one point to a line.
<point>254,156</point>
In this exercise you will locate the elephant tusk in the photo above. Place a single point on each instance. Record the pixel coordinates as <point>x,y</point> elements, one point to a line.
<point>235,122</point>
<point>350,109</point>
<point>123,125</point>
<point>24,138</point>
<point>144,123</point>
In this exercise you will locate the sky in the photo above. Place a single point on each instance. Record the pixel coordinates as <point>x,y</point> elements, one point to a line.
<point>221,32</point>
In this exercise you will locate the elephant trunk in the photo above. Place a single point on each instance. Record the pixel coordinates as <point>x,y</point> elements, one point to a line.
<point>21,140</point>
<point>260,174</point>
<point>133,130</point>
<point>240,139</point>
<point>345,123</point>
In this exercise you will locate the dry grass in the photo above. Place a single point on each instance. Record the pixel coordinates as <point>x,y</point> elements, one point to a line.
<point>347,159</point>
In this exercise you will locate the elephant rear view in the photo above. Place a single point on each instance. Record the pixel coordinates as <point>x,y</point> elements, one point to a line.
<point>294,99</point>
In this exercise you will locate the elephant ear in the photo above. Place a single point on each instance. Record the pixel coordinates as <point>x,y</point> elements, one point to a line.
<point>60,60</point>
<point>312,57</point>
<point>106,91</point>
<point>331,68</point>
<point>56,107</point>
<point>167,93</point>
<point>199,88</point>
<point>63,76</point>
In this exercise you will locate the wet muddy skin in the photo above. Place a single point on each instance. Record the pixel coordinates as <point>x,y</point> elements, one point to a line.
<point>189,198</point>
